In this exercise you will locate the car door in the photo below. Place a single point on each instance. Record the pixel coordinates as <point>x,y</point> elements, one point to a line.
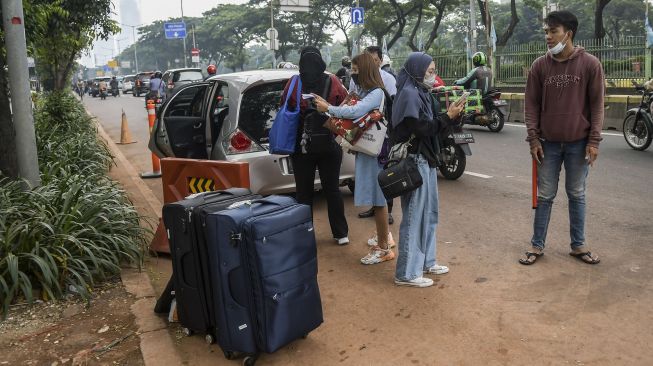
<point>180,127</point>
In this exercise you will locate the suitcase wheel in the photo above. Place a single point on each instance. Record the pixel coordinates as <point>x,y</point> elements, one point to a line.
<point>188,332</point>
<point>209,339</point>
<point>249,361</point>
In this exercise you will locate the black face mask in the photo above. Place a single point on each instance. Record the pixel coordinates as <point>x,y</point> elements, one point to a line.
<point>354,77</point>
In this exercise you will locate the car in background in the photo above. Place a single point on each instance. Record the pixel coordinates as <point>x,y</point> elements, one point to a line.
<point>95,86</point>
<point>142,83</point>
<point>228,117</point>
<point>176,78</point>
<point>128,84</point>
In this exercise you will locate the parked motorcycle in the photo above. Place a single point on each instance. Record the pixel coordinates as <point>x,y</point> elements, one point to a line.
<point>494,115</point>
<point>454,149</point>
<point>638,124</point>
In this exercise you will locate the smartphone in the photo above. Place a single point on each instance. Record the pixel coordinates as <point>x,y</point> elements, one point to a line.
<point>308,96</point>
<point>463,98</point>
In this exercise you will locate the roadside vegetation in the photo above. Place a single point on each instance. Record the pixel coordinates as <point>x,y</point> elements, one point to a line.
<point>78,227</point>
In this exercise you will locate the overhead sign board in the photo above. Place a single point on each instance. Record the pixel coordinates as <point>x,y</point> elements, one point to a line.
<point>176,30</point>
<point>294,5</point>
<point>357,15</point>
<point>112,63</point>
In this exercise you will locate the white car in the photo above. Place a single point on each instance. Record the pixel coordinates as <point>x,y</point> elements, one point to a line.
<point>128,84</point>
<point>239,110</point>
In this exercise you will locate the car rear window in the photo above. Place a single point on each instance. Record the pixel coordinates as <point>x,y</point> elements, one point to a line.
<point>258,108</point>
<point>190,75</point>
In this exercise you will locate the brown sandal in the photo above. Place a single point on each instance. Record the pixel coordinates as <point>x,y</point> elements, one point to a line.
<point>531,257</point>
<point>586,257</point>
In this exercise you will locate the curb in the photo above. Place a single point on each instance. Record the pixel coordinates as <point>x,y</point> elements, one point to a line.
<point>156,344</point>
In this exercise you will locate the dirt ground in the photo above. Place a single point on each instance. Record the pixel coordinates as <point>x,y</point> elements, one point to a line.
<point>72,332</point>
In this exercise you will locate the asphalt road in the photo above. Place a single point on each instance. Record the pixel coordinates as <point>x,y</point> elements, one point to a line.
<point>489,309</point>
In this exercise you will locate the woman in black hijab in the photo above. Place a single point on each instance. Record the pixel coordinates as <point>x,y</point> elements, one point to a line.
<point>316,147</point>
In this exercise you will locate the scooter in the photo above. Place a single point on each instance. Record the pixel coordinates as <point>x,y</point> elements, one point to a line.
<point>494,115</point>
<point>638,124</point>
<point>453,151</point>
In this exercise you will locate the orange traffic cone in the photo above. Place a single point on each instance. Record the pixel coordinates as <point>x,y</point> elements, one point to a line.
<point>125,135</point>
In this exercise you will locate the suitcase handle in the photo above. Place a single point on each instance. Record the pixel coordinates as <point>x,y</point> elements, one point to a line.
<point>229,192</point>
<point>275,200</point>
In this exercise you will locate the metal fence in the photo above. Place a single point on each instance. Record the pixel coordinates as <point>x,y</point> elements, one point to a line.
<point>623,60</point>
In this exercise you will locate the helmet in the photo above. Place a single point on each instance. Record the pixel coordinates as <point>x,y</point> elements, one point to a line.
<point>158,75</point>
<point>346,61</point>
<point>211,69</point>
<point>386,61</point>
<point>479,59</point>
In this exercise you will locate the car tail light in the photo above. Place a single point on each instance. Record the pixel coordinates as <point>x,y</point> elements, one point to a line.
<point>239,143</point>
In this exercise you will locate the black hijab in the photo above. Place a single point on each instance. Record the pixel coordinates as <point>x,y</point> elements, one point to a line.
<point>311,70</point>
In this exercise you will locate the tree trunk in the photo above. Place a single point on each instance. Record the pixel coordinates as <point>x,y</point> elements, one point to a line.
<point>8,159</point>
<point>514,19</point>
<point>418,22</point>
<point>441,6</point>
<point>401,21</point>
<point>599,30</point>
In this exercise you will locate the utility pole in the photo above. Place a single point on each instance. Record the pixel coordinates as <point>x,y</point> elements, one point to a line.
<point>182,20</point>
<point>472,25</point>
<point>359,33</point>
<point>21,100</point>
<point>274,56</point>
<point>197,64</point>
<point>135,46</point>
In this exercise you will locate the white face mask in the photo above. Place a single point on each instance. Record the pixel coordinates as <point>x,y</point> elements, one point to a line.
<point>430,81</point>
<point>559,47</point>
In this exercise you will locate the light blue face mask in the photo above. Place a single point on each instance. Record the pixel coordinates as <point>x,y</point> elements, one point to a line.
<point>559,47</point>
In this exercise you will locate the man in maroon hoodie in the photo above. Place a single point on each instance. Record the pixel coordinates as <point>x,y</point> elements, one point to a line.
<point>564,117</point>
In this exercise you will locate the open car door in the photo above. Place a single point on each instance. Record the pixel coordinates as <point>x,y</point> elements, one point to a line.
<point>180,127</point>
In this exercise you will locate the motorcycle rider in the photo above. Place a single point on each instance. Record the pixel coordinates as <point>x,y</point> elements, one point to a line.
<point>102,89</point>
<point>113,84</point>
<point>344,74</point>
<point>156,86</point>
<point>480,77</point>
<point>211,70</point>
<point>386,65</point>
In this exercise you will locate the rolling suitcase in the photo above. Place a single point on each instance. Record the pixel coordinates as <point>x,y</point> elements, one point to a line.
<point>264,276</point>
<point>188,248</point>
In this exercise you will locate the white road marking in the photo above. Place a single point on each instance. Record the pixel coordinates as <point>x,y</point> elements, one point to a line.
<point>521,125</point>
<point>479,175</point>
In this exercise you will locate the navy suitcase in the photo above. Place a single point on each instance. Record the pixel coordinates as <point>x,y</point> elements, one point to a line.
<point>264,276</point>
<point>188,248</point>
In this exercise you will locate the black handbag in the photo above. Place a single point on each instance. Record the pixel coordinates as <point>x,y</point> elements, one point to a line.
<point>399,177</point>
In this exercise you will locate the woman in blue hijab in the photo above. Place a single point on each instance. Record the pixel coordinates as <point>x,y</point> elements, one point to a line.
<point>415,117</point>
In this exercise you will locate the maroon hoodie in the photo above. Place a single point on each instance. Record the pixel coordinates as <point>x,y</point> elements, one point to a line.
<point>564,99</point>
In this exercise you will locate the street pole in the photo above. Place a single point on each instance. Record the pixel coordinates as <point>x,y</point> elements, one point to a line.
<point>274,56</point>
<point>135,47</point>
<point>359,33</point>
<point>21,100</point>
<point>472,24</point>
<point>182,20</point>
<point>197,64</point>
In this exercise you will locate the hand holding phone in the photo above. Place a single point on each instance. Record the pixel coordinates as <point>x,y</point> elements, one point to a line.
<point>463,98</point>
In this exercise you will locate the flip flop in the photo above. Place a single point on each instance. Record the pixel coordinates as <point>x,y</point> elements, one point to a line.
<point>528,261</point>
<point>586,257</point>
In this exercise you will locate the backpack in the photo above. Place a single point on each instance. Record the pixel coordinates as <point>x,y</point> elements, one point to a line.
<point>315,138</point>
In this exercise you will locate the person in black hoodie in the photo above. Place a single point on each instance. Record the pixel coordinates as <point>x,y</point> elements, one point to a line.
<point>316,146</point>
<point>415,118</point>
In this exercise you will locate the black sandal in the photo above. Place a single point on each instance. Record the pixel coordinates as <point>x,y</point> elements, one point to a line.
<point>531,257</point>
<point>586,257</point>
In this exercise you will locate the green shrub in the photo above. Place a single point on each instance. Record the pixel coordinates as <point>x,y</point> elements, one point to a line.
<point>75,229</point>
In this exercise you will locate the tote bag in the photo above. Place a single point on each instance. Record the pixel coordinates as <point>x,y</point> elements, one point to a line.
<point>283,134</point>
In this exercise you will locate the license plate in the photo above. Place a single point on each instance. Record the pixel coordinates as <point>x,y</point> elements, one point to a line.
<point>463,138</point>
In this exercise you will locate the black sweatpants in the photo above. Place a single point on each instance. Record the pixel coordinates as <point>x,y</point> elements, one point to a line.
<point>328,164</point>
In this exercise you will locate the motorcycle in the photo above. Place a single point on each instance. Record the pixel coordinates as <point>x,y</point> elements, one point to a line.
<point>453,151</point>
<point>115,92</point>
<point>638,124</point>
<point>153,96</point>
<point>494,115</point>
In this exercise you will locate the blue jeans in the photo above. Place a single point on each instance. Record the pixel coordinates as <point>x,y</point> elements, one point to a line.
<point>572,155</point>
<point>418,224</point>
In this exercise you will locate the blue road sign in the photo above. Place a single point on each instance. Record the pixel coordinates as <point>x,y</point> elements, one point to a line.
<point>175,30</point>
<point>357,15</point>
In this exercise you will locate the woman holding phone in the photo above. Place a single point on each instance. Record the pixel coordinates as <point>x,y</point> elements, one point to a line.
<point>365,73</point>
<point>415,117</point>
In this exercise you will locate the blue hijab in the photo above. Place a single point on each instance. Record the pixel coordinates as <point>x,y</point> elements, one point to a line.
<point>412,96</point>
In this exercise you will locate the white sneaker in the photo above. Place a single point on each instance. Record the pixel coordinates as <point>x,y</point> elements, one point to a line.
<point>437,270</point>
<point>342,241</point>
<point>417,282</point>
<point>378,255</point>
<point>374,240</point>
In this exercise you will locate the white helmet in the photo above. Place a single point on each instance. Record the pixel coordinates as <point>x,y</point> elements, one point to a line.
<point>386,61</point>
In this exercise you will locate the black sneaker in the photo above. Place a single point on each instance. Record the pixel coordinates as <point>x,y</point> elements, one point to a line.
<point>366,214</point>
